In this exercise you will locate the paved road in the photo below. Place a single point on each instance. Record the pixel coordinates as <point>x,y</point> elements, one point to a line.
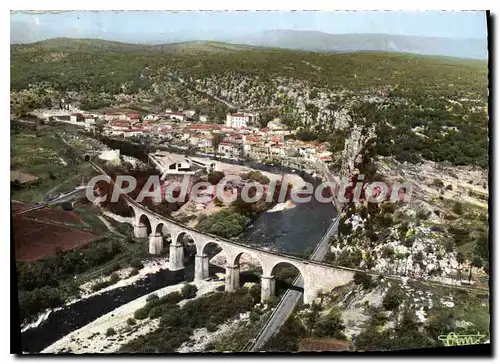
<point>78,192</point>
<point>291,297</point>
<point>228,104</point>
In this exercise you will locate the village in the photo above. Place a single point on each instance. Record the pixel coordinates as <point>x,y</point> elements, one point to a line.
<point>239,136</point>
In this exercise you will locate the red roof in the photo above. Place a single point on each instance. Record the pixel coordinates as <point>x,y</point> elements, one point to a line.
<point>176,113</point>
<point>77,114</point>
<point>120,124</point>
<point>204,127</point>
<point>133,116</point>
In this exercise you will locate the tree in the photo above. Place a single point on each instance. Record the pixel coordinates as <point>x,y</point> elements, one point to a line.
<point>215,177</point>
<point>364,279</point>
<point>460,260</point>
<point>476,262</point>
<point>189,291</point>
<point>393,298</point>
<point>216,140</point>
<point>330,326</point>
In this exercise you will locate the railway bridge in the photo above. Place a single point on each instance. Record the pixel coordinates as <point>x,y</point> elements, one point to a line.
<point>318,277</point>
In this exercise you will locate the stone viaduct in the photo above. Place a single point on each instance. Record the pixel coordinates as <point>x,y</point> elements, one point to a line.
<point>318,277</point>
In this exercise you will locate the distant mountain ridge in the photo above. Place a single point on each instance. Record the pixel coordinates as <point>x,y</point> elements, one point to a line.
<point>310,41</point>
<point>475,48</point>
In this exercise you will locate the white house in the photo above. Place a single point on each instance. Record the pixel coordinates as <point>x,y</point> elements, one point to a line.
<point>76,118</point>
<point>307,151</point>
<point>237,120</point>
<point>278,150</point>
<point>89,120</point>
<point>151,117</point>
<point>189,113</point>
<point>230,149</point>
<point>203,118</point>
<point>169,163</point>
<point>177,116</point>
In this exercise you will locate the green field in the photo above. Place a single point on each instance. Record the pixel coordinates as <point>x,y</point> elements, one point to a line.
<point>47,158</point>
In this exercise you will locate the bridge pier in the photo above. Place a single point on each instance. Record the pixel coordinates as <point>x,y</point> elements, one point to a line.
<point>155,244</point>
<point>232,278</point>
<point>140,231</point>
<point>201,267</point>
<point>268,285</point>
<point>309,295</point>
<point>176,260</point>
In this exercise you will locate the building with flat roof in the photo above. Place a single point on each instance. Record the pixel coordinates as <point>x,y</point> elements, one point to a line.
<point>173,164</point>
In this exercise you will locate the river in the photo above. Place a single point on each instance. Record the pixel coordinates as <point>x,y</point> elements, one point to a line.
<point>292,231</point>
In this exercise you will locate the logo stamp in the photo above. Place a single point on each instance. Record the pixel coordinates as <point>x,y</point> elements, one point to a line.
<point>452,339</point>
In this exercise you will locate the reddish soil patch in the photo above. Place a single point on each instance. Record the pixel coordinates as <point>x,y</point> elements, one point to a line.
<point>36,239</point>
<point>37,234</point>
<point>56,214</point>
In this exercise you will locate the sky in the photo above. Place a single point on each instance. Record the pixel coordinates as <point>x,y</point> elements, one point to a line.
<point>158,27</point>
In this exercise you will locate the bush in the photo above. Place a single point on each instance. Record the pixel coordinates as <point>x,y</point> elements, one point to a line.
<point>131,321</point>
<point>103,283</point>
<point>114,267</point>
<point>254,316</point>
<point>437,183</point>
<point>330,326</point>
<point>171,298</point>
<point>110,332</point>
<point>189,291</point>
<point>152,297</point>
<point>393,299</point>
<point>350,259</point>
<point>141,313</point>
<point>114,278</point>
<point>136,263</point>
<point>155,312</point>
<point>171,318</point>
<point>363,279</point>
<point>224,223</point>
<point>458,208</point>
<point>256,176</point>
<point>272,301</point>
<point>133,272</point>
<point>211,327</point>
<point>215,177</point>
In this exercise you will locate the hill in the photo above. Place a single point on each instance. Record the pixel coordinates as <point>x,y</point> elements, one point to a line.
<point>429,107</point>
<point>107,46</point>
<point>333,43</point>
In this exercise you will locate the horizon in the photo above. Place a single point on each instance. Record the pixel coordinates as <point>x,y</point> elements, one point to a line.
<point>222,41</point>
<point>160,27</point>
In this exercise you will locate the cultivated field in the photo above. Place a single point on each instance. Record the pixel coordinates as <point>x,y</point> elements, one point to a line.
<point>42,233</point>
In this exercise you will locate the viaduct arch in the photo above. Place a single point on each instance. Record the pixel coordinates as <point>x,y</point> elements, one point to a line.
<point>148,224</point>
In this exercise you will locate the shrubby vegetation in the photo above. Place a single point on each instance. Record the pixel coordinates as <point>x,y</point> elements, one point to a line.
<point>224,223</point>
<point>307,324</point>
<point>177,324</point>
<point>48,282</point>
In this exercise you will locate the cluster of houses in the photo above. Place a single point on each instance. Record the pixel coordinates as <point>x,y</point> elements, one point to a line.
<point>240,137</point>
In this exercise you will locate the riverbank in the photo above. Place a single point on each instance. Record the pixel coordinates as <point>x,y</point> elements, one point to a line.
<point>92,337</point>
<point>151,266</point>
